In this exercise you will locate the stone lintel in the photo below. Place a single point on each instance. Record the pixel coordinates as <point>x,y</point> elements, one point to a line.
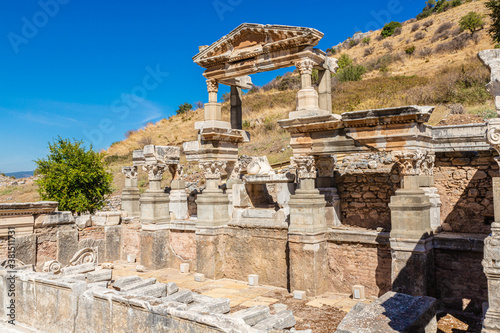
<point>210,231</point>
<point>412,245</point>
<point>156,226</point>
<point>307,238</point>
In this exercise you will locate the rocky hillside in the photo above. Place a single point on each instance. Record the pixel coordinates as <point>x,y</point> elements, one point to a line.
<point>428,62</point>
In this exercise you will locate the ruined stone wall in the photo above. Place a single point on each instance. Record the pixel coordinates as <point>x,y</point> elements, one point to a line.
<point>131,236</point>
<point>364,264</point>
<point>364,198</point>
<point>459,275</point>
<point>464,184</point>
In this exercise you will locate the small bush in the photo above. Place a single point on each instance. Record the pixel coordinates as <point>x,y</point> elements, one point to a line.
<point>424,14</point>
<point>419,35</point>
<point>183,108</point>
<point>410,50</point>
<point>443,27</point>
<point>415,27</point>
<point>379,38</point>
<point>398,31</point>
<point>366,40</point>
<point>368,51</point>
<point>472,22</point>
<point>425,52</point>
<point>383,61</point>
<point>351,73</point>
<point>456,44</point>
<point>456,108</point>
<point>344,61</point>
<point>427,24</point>
<point>388,46</point>
<point>389,29</point>
<point>145,141</point>
<point>129,133</point>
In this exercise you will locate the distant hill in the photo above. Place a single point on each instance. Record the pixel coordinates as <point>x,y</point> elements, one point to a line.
<point>20,174</point>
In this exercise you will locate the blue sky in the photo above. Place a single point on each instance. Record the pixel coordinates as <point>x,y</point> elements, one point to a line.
<point>70,67</point>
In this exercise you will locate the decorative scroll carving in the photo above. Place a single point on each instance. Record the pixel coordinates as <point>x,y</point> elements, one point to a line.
<point>493,136</point>
<point>212,86</point>
<point>84,256</point>
<point>52,266</point>
<point>326,165</point>
<point>155,171</point>
<point>130,172</point>
<point>419,162</point>
<point>213,169</point>
<point>305,166</point>
<point>305,66</point>
<point>491,261</point>
<point>260,166</point>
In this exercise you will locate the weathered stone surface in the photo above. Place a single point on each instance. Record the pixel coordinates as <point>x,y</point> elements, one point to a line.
<point>392,312</point>
<point>58,218</point>
<point>171,288</point>
<point>279,321</point>
<point>100,275</point>
<point>183,296</point>
<point>113,240</point>
<point>67,245</point>
<point>253,315</point>
<point>126,281</point>
<point>26,249</point>
<point>79,269</point>
<point>155,290</point>
<point>139,284</point>
<point>83,221</point>
<point>154,249</point>
<point>210,305</point>
<point>97,244</point>
<point>106,218</point>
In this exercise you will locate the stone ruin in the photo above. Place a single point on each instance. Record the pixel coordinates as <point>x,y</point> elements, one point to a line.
<point>372,200</point>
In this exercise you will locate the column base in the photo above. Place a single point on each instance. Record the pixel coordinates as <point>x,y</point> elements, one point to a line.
<point>212,206</point>
<point>307,212</point>
<point>154,207</point>
<point>308,263</point>
<point>210,252</point>
<point>131,201</point>
<point>178,204</point>
<point>154,249</point>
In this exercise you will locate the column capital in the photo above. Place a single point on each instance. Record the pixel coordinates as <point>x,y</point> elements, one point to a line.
<point>326,165</point>
<point>155,171</point>
<point>212,86</point>
<point>305,166</point>
<point>305,66</point>
<point>130,172</point>
<point>213,169</point>
<point>419,162</point>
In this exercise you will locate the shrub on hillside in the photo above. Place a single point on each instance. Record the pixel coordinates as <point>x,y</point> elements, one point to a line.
<point>145,141</point>
<point>415,27</point>
<point>389,29</point>
<point>443,27</point>
<point>494,30</point>
<point>425,52</point>
<point>383,61</point>
<point>289,82</point>
<point>456,44</point>
<point>74,176</point>
<point>427,24</point>
<point>368,51</point>
<point>344,60</point>
<point>419,35</point>
<point>183,108</point>
<point>472,22</point>
<point>366,40</point>
<point>398,31</point>
<point>410,50</point>
<point>388,46</point>
<point>351,73</point>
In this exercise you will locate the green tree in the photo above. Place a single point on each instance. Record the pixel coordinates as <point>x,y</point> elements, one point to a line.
<point>74,176</point>
<point>183,108</point>
<point>494,30</point>
<point>471,21</point>
<point>389,28</point>
<point>351,73</point>
<point>344,60</point>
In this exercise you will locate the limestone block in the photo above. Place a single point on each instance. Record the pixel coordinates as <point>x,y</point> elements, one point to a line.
<point>26,249</point>
<point>253,280</point>
<point>83,221</point>
<point>67,245</point>
<point>130,200</point>
<point>113,242</point>
<point>278,307</point>
<point>358,292</point>
<point>171,288</point>
<point>279,321</point>
<point>155,207</point>
<point>184,296</point>
<point>209,304</point>
<point>198,277</point>
<point>299,294</point>
<point>392,312</point>
<point>240,196</point>
<point>100,275</point>
<point>58,218</point>
<point>136,285</point>
<point>154,249</point>
<point>107,218</point>
<point>178,204</point>
<point>154,290</point>
<point>184,268</point>
<point>253,315</point>
<point>126,281</point>
<point>78,269</point>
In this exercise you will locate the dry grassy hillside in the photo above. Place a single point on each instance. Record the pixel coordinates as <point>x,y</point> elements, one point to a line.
<point>442,71</point>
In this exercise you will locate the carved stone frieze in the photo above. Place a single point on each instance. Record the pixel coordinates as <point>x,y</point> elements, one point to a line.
<point>305,166</point>
<point>84,256</point>
<point>418,162</point>
<point>213,169</point>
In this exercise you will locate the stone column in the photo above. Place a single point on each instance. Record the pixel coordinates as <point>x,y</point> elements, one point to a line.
<point>178,197</point>
<point>307,232</point>
<point>325,90</point>
<point>213,216</point>
<point>212,108</point>
<point>411,231</point>
<point>154,202</point>
<point>236,115</point>
<point>130,194</point>
<point>491,261</point>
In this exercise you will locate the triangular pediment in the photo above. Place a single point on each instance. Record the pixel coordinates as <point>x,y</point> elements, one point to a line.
<point>250,40</point>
